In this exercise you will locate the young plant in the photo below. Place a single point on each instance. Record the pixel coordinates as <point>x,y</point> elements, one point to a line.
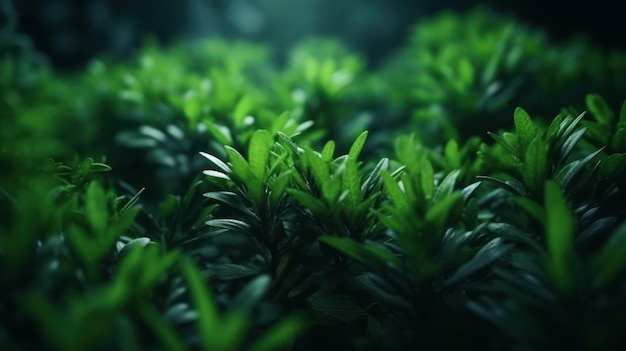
<point>432,249</point>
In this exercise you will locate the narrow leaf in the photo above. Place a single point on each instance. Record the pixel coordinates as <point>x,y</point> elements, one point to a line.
<point>259,152</point>
<point>524,127</point>
<point>209,322</point>
<point>535,166</point>
<point>560,226</point>
<point>352,183</point>
<point>216,161</point>
<point>599,108</point>
<point>357,146</point>
<point>281,334</point>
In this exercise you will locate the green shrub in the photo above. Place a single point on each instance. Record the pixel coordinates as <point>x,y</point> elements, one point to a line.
<point>202,196</point>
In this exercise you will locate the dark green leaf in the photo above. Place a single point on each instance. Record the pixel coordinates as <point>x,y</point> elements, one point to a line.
<point>229,271</point>
<point>231,199</point>
<point>613,165</point>
<point>338,306</point>
<point>234,225</point>
<point>569,144</point>
<point>618,141</point>
<point>374,178</point>
<point>610,262</point>
<point>599,108</point>
<point>514,234</point>
<point>162,330</point>
<point>309,201</point>
<point>251,294</point>
<point>531,207</point>
<point>281,335</point>
<point>487,254</point>
<point>576,167</point>
<point>380,290</point>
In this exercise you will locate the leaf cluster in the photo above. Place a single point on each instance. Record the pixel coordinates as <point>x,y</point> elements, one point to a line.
<point>234,203</point>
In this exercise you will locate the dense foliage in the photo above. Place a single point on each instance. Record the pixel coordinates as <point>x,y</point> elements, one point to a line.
<point>467,194</point>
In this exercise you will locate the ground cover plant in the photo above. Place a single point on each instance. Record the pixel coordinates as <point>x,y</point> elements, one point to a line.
<point>467,194</point>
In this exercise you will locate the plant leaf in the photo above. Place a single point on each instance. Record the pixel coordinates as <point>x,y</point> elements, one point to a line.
<point>599,109</point>
<point>259,152</point>
<point>281,334</point>
<point>524,127</point>
<point>535,166</point>
<point>209,322</point>
<point>357,146</point>
<point>560,227</point>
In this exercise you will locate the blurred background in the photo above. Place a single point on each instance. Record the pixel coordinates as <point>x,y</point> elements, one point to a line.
<point>70,32</point>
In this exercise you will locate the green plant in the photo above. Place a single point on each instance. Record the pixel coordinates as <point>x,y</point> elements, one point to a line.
<point>203,196</point>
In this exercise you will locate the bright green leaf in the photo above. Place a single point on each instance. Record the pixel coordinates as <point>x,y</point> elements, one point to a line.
<point>524,127</point>
<point>535,167</point>
<point>560,230</point>
<point>357,146</point>
<point>259,152</point>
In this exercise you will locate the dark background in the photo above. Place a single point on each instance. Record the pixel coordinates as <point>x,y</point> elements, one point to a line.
<point>70,32</point>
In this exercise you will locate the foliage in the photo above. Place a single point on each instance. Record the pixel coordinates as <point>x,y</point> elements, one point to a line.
<point>461,68</point>
<point>201,196</point>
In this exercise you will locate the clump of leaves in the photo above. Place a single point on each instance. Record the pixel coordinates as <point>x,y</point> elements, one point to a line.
<point>240,205</point>
<point>462,69</point>
<point>564,284</point>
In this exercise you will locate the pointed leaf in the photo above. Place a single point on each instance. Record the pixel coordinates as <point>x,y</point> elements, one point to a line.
<point>560,227</point>
<point>535,166</point>
<point>531,207</point>
<point>569,144</point>
<point>427,179</point>
<point>281,334</point>
<point>487,254</point>
<point>613,165</point>
<point>609,263</point>
<point>259,152</point>
<point>209,322</point>
<point>524,127</point>
<point>338,306</point>
<point>357,146</point>
<point>374,178</point>
<point>599,109</point>
<point>239,165</point>
<point>352,183</point>
<point>318,166</point>
<point>577,167</point>
<point>309,201</point>
<point>216,161</point>
<point>446,187</point>
<point>328,151</point>
<point>251,294</point>
<point>395,192</point>
<point>506,145</point>
<point>96,209</point>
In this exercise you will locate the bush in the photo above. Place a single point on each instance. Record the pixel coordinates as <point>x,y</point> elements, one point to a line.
<point>203,197</point>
